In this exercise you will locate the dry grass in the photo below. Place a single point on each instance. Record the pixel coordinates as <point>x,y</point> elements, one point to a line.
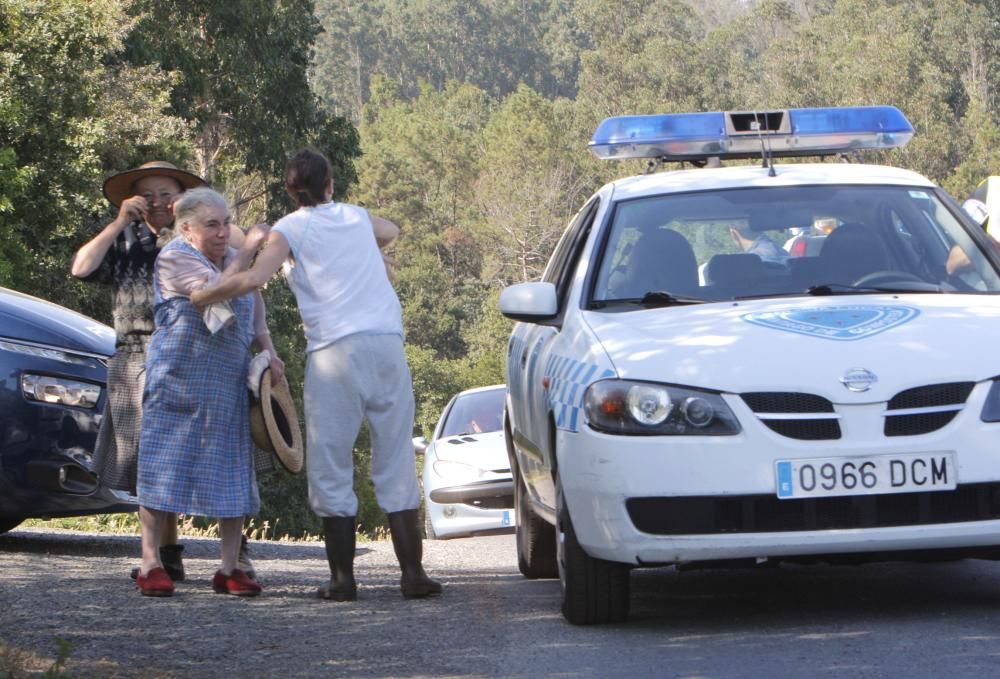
<point>128,524</point>
<point>16,663</point>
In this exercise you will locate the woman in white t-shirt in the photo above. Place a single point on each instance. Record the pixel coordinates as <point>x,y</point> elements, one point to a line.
<point>356,367</point>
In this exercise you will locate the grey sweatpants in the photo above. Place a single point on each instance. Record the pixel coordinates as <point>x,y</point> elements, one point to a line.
<point>357,377</point>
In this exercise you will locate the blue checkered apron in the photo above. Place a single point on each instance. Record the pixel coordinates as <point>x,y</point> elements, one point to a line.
<point>195,451</point>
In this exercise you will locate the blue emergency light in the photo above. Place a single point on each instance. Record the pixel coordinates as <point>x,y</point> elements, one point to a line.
<point>751,134</point>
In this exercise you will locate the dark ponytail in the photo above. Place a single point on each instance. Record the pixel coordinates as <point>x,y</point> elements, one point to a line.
<point>307,175</point>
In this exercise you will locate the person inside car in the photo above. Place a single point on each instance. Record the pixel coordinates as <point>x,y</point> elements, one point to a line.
<point>757,243</point>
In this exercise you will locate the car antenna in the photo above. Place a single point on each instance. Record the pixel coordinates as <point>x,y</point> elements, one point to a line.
<point>765,148</point>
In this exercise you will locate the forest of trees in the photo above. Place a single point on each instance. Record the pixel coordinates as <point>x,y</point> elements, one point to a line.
<point>464,121</point>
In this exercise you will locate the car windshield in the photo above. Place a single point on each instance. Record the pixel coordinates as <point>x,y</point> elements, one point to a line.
<point>761,242</point>
<point>475,413</point>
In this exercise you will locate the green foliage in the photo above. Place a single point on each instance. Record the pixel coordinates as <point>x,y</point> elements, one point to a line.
<point>642,58</point>
<point>473,119</point>
<point>526,197</point>
<point>492,45</point>
<point>435,381</point>
<point>903,53</point>
<point>432,310</point>
<point>241,68</point>
<point>488,344</point>
<point>241,83</point>
<point>982,137</point>
<point>67,108</point>
<point>87,89</point>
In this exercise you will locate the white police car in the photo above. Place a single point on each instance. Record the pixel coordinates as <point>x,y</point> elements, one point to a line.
<point>842,405</point>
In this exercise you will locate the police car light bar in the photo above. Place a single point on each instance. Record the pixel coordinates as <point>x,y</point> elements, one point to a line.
<point>738,134</point>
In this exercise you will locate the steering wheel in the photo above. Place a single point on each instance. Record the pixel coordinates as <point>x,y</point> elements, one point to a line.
<point>877,278</point>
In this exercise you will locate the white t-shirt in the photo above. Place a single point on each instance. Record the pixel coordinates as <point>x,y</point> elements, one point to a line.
<point>338,275</point>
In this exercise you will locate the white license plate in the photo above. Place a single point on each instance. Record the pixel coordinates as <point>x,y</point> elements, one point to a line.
<point>875,475</point>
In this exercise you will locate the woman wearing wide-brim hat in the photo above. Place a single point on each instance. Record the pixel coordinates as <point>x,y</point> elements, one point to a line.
<point>122,255</point>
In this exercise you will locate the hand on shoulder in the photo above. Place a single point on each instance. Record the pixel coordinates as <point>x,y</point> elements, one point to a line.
<point>255,236</point>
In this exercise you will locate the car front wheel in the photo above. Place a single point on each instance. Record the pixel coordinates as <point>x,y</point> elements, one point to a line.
<point>536,537</point>
<point>594,591</point>
<point>429,527</point>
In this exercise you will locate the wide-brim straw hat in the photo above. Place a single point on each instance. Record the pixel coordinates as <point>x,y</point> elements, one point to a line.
<point>274,423</point>
<point>119,187</point>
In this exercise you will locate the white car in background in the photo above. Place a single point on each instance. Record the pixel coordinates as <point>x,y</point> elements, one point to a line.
<point>467,483</point>
<point>841,406</point>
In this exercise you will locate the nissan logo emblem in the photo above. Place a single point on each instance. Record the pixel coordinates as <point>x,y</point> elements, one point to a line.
<point>858,379</point>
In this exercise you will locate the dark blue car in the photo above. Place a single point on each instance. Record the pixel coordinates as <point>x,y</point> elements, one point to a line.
<point>53,367</point>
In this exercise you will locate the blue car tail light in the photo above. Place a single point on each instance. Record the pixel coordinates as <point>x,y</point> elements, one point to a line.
<point>744,134</point>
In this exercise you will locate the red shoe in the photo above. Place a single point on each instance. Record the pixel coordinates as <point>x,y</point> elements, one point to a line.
<point>237,583</point>
<point>155,583</point>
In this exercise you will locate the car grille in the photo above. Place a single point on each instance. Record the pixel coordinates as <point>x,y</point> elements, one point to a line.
<point>925,409</point>
<point>767,514</point>
<point>806,417</point>
<point>809,417</point>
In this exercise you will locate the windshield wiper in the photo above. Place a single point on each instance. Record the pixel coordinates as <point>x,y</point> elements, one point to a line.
<point>656,298</point>
<point>847,289</point>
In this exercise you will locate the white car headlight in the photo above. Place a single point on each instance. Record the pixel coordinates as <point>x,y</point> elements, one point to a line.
<point>648,404</point>
<point>991,409</point>
<point>60,390</point>
<point>650,409</point>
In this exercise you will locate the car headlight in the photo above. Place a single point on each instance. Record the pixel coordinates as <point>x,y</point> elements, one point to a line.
<point>650,409</point>
<point>60,390</point>
<point>457,472</point>
<point>991,409</point>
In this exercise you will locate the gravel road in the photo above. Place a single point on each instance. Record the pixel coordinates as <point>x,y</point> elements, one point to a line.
<point>920,621</point>
<point>75,586</point>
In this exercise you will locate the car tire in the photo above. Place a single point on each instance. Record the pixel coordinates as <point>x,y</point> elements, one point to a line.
<point>594,591</point>
<point>9,524</point>
<point>429,533</point>
<point>536,537</point>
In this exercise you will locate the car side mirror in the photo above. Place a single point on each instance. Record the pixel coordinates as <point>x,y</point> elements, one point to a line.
<point>530,302</point>
<point>419,445</point>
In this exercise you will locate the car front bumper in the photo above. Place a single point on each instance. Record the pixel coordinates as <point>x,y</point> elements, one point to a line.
<point>471,509</point>
<point>604,477</point>
<point>46,452</point>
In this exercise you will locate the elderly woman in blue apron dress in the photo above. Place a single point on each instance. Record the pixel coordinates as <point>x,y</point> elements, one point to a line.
<point>195,450</point>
